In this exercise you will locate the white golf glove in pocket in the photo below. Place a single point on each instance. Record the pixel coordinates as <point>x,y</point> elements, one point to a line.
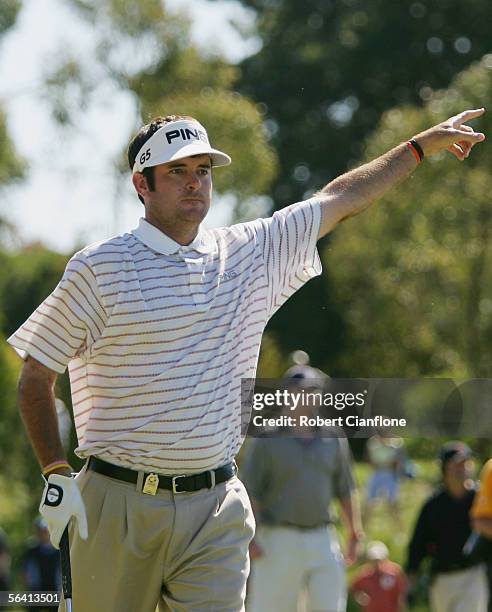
<point>60,502</point>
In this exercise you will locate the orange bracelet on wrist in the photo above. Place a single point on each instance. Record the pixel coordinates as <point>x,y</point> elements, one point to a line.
<point>416,149</point>
<point>55,465</point>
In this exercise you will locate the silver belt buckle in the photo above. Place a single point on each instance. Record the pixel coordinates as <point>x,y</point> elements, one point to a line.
<point>174,484</point>
<point>212,478</point>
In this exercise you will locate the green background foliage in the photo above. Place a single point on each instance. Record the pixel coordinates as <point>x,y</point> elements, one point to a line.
<point>413,274</point>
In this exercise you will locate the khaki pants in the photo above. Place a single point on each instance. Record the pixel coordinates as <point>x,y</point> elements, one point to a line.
<point>461,591</point>
<point>301,570</point>
<point>183,552</point>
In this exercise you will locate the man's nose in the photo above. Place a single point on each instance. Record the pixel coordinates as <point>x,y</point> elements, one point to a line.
<point>193,182</point>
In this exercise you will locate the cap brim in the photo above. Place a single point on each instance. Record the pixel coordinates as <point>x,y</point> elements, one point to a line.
<point>377,553</point>
<point>218,157</point>
<point>458,457</point>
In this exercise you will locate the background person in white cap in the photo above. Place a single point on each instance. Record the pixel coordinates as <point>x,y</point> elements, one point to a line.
<point>444,525</point>
<point>158,326</point>
<point>379,585</point>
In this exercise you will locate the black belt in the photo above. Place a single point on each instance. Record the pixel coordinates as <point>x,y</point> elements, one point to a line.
<point>153,481</point>
<point>301,527</point>
<point>456,567</point>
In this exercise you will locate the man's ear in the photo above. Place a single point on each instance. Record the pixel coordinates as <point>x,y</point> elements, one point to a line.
<point>140,183</point>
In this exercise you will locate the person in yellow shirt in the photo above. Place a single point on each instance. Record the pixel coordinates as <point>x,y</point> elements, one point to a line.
<point>481,511</point>
<point>481,515</point>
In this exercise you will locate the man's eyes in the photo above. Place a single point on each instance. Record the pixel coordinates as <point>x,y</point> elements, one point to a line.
<point>201,171</point>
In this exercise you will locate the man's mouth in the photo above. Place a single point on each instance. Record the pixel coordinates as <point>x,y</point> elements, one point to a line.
<point>193,200</point>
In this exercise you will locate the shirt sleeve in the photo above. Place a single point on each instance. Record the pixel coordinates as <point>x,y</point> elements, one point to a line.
<point>67,323</point>
<point>421,540</point>
<point>344,483</point>
<point>288,242</point>
<point>482,503</point>
<point>359,583</point>
<point>402,583</point>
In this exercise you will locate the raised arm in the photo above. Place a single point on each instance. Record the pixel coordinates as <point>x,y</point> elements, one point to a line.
<point>353,192</point>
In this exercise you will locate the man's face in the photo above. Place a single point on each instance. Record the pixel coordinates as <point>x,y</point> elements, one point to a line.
<point>459,470</point>
<point>182,193</point>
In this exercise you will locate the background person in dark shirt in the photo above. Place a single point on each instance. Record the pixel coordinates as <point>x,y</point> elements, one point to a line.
<point>443,526</point>
<point>41,562</point>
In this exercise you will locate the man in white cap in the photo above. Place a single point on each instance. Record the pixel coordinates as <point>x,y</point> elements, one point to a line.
<point>158,326</point>
<point>379,585</point>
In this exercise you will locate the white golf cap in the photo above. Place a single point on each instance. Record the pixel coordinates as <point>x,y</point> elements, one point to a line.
<point>377,551</point>
<point>176,140</point>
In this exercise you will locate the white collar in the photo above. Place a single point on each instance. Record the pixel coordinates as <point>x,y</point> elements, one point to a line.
<point>162,243</point>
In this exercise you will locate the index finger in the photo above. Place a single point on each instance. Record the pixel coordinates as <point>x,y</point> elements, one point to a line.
<point>468,114</point>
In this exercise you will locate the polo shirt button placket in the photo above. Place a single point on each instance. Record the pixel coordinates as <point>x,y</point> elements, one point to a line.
<point>195,269</point>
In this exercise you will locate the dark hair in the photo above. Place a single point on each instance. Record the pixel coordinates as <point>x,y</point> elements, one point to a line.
<point>141,137</point>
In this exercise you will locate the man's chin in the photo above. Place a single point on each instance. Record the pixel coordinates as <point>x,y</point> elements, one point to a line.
<point>194,212</point>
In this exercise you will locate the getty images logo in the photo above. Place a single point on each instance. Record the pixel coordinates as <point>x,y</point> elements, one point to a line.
<point>186,134</point>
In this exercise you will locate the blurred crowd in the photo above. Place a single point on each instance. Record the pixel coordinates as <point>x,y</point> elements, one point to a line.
<point>296,476</point>
<point>39,567</point>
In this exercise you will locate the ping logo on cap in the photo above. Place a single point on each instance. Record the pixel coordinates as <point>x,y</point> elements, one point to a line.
<point>186,134</point>
<point>176,140</point>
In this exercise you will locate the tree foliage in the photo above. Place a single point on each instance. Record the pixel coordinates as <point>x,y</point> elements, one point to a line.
<point>11,166</point>
<point>147,51</point>
<point>413,274</point>
<point>26,279</point>
<point>327,70</point>
<point>8,14</point>
<point>13,443</point>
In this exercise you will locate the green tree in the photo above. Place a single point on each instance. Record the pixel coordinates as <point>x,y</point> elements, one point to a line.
<point>326,71</point>
<point>11,166</point>
<point>26,279</point>
<point>413,276</point>
<point>13,446</point>
<point>147,51</point>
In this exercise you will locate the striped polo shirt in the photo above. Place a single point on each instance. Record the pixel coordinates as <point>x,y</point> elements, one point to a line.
<point>157,336</point>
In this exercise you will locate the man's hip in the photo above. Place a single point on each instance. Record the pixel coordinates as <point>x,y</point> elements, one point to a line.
<point>177,548</point>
